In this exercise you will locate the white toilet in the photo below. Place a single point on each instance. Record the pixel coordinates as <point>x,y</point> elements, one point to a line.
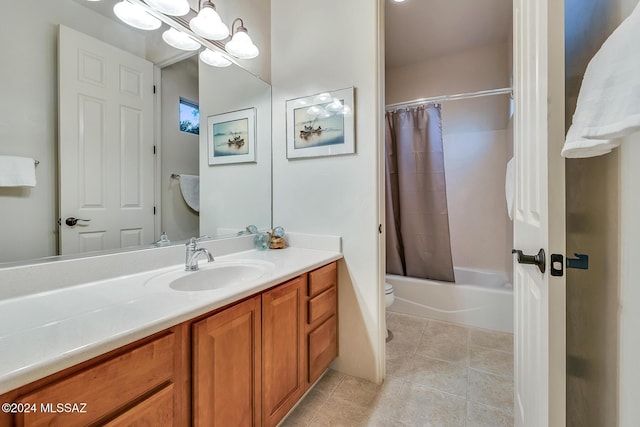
<point>388,294</point>
<point>388,300</point>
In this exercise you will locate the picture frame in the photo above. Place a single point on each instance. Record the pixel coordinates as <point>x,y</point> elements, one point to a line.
<point>321,124</point>
<point>231,137</point>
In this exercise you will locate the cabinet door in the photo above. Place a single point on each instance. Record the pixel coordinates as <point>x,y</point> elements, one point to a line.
<point>226,367</point>
<point>323,347</point>
<point>156,410</point>
<point>282,349</point>
<point>105,388</point>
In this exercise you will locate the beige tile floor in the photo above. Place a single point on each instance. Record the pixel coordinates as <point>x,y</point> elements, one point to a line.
<point>438,374</point>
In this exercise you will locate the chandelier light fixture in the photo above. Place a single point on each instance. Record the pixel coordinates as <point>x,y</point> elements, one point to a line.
<point>180,40</point>
<point>136,16</point>
<point>207,24</point>
<point>170,7</point>
<point>240,44</point>
<point>214,58</point>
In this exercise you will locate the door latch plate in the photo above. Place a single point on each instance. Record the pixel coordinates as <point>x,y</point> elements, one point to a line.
<point>557,265</point>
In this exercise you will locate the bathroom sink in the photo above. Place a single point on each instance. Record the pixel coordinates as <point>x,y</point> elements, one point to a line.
<point>211,276</point>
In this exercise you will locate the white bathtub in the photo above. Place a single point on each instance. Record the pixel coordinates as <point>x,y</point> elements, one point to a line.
<point>482,299</point>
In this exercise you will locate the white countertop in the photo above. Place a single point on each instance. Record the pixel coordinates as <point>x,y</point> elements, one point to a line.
<point>46,332</point>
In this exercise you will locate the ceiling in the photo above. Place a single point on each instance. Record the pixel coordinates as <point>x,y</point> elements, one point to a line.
<point>420,29</point>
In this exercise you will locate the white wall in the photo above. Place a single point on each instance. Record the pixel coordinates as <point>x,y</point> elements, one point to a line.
<point>475,164</point>
<point>180,150</point>
<point>629,339</point>
<point>316,47</point>
<point>467,71</point>
<point>476,147</point>
<point>236,195</point>
<point>28,113</point>
<point>255,16</point>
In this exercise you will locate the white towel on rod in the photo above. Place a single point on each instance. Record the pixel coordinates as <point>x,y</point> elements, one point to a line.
<point>510,185</point>
<point>608,105</point>
<point>190,189</point>
<point>17,171</point>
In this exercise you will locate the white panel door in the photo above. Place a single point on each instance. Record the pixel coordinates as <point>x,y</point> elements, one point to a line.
<point>105,145</point>
<point>539,220</point>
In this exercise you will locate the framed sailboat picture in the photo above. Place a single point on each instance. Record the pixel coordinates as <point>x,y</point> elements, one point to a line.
<point>231,137</point>
<point>321,125</point>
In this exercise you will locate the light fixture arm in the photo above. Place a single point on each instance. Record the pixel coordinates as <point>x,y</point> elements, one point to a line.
<point>207,3</point>
<point>240,28</point>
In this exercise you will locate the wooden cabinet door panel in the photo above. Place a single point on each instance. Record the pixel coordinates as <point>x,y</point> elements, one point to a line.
<point>226,367</point>
<point>156,410</point>
<point>105,387</point>
<point>323,347</point>
<point>282,350</point>
<point>321,306</point>
<point>322,278</point>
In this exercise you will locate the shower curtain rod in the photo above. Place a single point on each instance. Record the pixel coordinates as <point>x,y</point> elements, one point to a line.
<point>435,99</point>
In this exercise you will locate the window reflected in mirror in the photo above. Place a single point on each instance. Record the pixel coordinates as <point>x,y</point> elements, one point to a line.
<point>189,117</point>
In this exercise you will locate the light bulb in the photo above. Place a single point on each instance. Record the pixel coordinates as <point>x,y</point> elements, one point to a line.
<point>241,46</point>
<point>170,7</point>
<point>335,106</point>
<point>209,25</point>
<point>323,97</point>
<point>215,59</point>
<point>346,111</point>
<point>136,16</point>
<point>180,40</point>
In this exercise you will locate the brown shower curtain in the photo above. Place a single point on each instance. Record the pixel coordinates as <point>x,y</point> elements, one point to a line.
<point>418,241</point>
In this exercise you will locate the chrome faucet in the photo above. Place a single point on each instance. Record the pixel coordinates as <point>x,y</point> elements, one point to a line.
<point>193,252</point>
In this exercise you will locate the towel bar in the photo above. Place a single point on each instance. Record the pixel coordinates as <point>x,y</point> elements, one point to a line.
<point>37,162</point>
<point>175,175</point>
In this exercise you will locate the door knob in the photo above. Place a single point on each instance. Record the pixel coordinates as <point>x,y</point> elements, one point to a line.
<point>71,221</point>
<point>537,259</point>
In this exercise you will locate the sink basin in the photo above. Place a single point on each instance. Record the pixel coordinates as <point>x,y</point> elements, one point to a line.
<point>211,276</point>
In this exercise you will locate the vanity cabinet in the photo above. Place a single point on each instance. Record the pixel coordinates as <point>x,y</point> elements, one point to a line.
<point>321,321</point>
<point>140,384</point>
<point>226,367</point>
<point>283,371</point>
<point>246,364</point>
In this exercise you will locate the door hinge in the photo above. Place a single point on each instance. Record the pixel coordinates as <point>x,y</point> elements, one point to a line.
<point>154,210</point>
<point>154,88</point>
<point>154,149</point>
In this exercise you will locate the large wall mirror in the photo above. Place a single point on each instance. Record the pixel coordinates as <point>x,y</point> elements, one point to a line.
<point>195,105</point>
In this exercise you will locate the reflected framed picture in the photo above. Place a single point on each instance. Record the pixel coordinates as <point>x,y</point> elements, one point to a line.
<point>231,137</point>
<point>321,125</point>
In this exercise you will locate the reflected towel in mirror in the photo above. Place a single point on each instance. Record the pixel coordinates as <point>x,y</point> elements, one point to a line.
<point>17,171</point>
<point>190,188</point>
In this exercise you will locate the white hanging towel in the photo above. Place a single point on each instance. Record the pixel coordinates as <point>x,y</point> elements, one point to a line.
<point>190,188</point>
<point>17,171</point>
<point>510,185</point>
<point>608,105</point>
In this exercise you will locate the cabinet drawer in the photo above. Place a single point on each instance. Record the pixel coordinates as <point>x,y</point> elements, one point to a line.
<point>105,387</point>
<point>323,347</point>
<point>156,410</point>
<point>322,305</point>
<point>322,278</point>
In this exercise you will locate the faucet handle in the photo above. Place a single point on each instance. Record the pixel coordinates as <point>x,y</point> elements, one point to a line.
<point>192,241</point>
